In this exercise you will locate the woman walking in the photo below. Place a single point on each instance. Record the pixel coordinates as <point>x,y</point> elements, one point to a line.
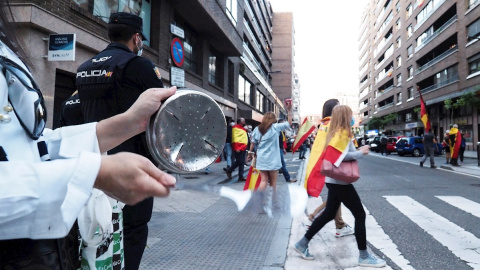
<point>265,136</point>
<point>342,192</point>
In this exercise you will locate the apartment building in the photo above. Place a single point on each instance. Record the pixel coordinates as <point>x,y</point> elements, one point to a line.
<point>227,47</point>
<point>432,47</point>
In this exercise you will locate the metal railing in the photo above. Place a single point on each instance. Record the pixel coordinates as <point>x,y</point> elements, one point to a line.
<point>436,59</point>
<point>386,106</point>
<point>437,32</point>
<point>437,5</point>
<point>436,86</point>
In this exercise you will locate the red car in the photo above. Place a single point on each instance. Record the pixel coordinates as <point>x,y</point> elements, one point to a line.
<point>391,142</point>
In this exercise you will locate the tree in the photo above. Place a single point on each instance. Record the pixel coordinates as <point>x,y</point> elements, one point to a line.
<point>379,123</point>
<point>452,106</point>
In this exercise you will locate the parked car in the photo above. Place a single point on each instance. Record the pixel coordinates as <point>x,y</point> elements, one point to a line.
<point>391,142</point>
<point>290,142</point>
<point>374,143</point>
<point>414,146</point>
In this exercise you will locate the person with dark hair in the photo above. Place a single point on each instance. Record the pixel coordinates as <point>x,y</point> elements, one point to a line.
<point>46,175</point>
<point>283,151</point>
<point>239,146</point>
<point>342,228</point>
<point>108,84</point>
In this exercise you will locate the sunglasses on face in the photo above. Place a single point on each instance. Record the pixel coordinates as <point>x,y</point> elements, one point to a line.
<point>25,97</point>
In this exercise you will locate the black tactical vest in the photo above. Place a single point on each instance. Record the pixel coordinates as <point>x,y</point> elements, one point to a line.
<point>98,83</point>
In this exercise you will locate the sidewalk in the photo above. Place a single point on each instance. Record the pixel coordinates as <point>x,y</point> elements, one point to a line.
<point>469,166</point>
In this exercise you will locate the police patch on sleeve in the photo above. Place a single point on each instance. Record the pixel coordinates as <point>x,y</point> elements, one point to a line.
<point>157,71</point>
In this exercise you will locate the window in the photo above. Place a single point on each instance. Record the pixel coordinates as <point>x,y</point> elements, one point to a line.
<point>232,11</point>
<point>103,9</point>
<point>410,93</point>
<point>473,30</point>
<point>399,61</point>
<point>398,24</point>
<point>471,3</point>
<point>399,79</point>
<point>191,47</point>
<point>409,31</point>
<point>410,51</point>
<point>398,5</point>
<point>410,72</point>
<point>474,64</point>
<point>231,77</point>
<point>409,11</point>
<point>244,88</point>
<point>259,104</point>
<point>399,98</point>
<point>212,69</point>
<point>399,42</point>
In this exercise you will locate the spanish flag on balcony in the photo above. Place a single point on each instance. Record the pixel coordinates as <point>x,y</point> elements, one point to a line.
<point>239,138</point>
<point>253,179</point>
<point>423,113</point>
<point>305,129</point>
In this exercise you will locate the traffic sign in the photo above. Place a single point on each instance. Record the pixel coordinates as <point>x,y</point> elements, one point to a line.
<point>177,52</point>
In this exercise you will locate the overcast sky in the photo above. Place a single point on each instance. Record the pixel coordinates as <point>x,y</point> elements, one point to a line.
<point>326,48</point>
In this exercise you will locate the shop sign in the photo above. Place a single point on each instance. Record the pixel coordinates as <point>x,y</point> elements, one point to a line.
<point>61,47</point>
<point>411,125</point>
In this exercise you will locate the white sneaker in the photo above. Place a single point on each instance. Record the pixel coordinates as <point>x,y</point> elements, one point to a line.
<point>347,230</point>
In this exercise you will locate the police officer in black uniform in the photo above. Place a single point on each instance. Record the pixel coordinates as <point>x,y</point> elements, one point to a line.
<point>108,84</point>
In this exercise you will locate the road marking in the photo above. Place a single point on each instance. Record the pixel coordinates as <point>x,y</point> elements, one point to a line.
<point>462,243</point>
<point>462,204</point>
<point>378,238</point>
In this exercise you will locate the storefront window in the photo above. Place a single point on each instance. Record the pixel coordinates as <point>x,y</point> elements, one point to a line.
<point>103,9</point>
<point>467,132</point>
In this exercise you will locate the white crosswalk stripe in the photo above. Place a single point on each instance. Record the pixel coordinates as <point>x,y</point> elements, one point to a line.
<point>463,204</point>
<point>462,243</point>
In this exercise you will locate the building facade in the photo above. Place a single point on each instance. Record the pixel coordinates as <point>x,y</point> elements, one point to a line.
<point>430,47</point>
<point>227,47</point>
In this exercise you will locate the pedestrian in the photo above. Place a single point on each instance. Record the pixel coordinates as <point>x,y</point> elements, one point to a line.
<point>341,227</point>
<point>429,143</point>
<point>303,149</point>
<point>265,138</point>
<point>455,143</point>
<point>283,152</point>
<point>124,76</point>
<point>46,175</point>
<point>383,144</point>
<point>462,148</point>
<point>446,145</point>
<point>228,146</point>
<point>339,191</point>
<point>239,147</point>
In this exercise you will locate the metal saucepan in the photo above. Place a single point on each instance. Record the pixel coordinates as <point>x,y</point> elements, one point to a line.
<point>188,132</point>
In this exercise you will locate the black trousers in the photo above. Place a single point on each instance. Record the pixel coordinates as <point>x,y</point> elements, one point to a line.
<point>239,162</point>
<point>135,231</point>
<point>347,195</point>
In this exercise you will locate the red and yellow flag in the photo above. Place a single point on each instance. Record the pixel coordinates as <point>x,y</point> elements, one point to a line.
<point>423,113</point>
<point>456,137</point>
<point>305,129</point>
<point>239,138</point>
<point>337,147</point>
<point>314,180</point>
<point>253,179</point>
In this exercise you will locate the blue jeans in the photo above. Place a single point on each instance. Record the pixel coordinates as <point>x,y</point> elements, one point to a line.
<point>302,151</point>
<point>228,153</point>
<point>284,166</point>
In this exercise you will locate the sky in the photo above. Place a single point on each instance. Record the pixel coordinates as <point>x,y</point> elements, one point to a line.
<point>326,48</point>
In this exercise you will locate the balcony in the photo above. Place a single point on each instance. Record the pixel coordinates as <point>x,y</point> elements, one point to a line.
<point>436,60</point>
<point>438,85</point>
<point>437,32</point>
<point>432,11</point>
<point>386,106</point>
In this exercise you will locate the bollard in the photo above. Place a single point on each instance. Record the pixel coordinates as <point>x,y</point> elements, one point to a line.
<point>478,153</point>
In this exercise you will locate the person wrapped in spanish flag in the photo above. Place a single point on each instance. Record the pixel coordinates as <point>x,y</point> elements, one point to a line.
<point>339,147</point>
<point>239,147</point>
<point>455,142</point>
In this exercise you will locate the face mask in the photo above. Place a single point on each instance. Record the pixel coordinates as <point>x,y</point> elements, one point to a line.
<point>352,122</point>
<point>140,49</point>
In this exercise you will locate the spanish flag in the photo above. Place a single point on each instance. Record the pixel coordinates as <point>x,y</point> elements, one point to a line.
<point>423,113</point>
<point>455,138</point>
<point>253,179</point>
<point>239,138</point>
<point>314,180</point>
<point>337,147</point>
<point>305,129</point>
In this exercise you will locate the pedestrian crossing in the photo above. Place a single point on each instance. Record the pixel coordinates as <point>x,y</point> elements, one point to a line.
<point>461,243</point>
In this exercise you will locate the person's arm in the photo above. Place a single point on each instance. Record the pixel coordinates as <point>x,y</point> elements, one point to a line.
<point>114,130</point>
<point>354,154</point>
<point>289,114</point>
